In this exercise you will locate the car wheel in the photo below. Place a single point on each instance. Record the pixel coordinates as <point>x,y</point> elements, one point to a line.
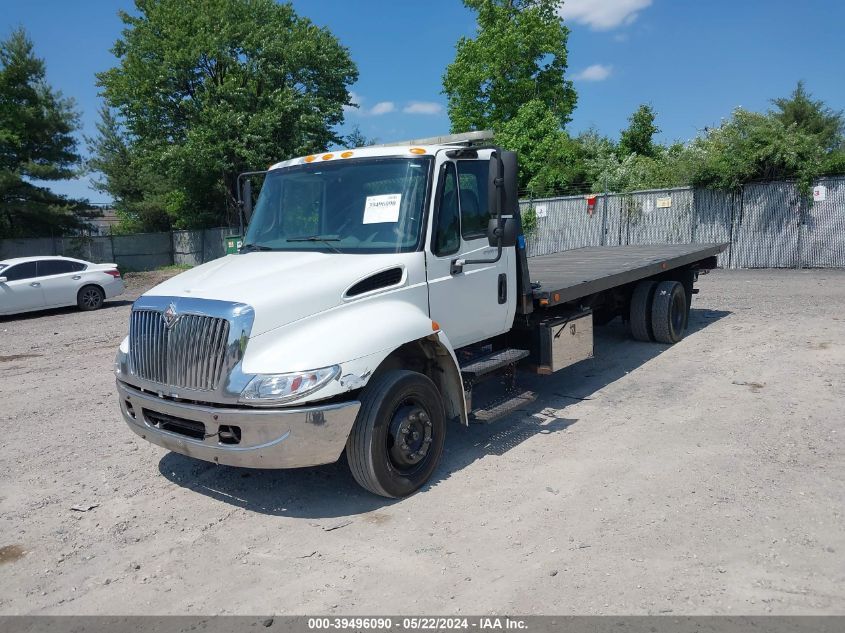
<point>398,437</point>
<point>90,298</point>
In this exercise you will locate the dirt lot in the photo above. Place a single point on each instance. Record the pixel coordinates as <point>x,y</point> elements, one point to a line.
<point>707,477</point>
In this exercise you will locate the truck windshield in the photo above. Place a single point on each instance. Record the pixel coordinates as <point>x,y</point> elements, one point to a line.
<point>349,206</point>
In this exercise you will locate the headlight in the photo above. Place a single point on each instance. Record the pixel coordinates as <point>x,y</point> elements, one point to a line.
<point>277,388</point>
<point>120,357</point>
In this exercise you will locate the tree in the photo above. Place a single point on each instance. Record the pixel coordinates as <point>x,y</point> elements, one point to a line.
<point>811,117</point>
<point>754,146</point>
<point>548,159</point>
<point>801,139</point>
<point>518,55</point>
<point>36,143</point>
<point>206,89</point>
<point>638,138</point>
<point>356,138</point>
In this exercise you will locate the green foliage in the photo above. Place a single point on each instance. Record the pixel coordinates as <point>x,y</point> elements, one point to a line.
<point>36,143</point>
<point>548,159</point>
<point>518,55</point>
<point>801,139</point>
<point>139,192</point>
<point>638,138</point>
<point>753,146</point>
<point>529,220</point>
<point>811,117</point>
<point>204,90</point>
<point>356,138</point>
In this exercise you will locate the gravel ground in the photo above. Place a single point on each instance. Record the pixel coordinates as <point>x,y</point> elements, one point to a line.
<point>705,478</point>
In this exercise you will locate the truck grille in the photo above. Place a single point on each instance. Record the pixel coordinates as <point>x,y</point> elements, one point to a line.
<point>191,354</point>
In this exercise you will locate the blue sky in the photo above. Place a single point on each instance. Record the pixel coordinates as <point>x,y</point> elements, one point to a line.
<point>693,60</point>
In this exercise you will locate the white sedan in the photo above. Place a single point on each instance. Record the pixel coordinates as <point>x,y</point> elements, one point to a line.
<point>37,283</point>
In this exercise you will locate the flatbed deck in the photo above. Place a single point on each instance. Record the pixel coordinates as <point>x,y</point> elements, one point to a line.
<point>571,275</point>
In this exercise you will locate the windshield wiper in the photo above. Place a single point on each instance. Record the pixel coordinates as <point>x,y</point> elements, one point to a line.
<point>325,239</point>
<point>247,248</point>
<point>314,238</point>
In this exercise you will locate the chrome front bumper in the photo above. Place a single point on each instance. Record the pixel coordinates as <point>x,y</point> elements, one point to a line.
<point>269,438</point>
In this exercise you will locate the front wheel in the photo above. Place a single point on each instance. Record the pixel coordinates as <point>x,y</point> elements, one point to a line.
<point>398,437</point>
<point>90,298</point>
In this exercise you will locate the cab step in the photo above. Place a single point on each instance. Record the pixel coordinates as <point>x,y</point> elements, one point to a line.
<point>492,362</point>
<point>501,407</point>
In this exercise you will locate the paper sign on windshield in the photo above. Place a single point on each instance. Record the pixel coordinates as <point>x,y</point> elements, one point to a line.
<point>383,208</point>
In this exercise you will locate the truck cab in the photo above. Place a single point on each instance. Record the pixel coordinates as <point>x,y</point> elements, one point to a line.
<point>374,288</point>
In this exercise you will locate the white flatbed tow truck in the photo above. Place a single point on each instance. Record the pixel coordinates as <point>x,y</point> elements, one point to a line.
<point>375,289</point>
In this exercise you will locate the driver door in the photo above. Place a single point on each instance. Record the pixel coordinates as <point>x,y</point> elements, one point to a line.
<point>22,289</point>
<point>477,303</point>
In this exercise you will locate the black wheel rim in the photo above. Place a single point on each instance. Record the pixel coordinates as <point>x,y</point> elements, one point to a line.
<point>678,308</point>
<point>409,436</point>
<point>91,298</point>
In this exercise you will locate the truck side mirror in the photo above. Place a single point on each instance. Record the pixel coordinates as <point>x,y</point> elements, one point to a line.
<point>510,230</point>
<point>503,184</point>
<point>247,199</point>
<point>493,179</point>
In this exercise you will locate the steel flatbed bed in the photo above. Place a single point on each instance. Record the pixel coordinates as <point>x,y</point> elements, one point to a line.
<point>581,272</point>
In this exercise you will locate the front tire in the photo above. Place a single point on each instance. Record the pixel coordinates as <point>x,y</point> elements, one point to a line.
<point>90,298</point>
<point>398,436</point>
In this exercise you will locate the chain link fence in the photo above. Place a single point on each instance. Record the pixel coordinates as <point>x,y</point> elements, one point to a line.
<point>141,251</point>
<point>767,225</point>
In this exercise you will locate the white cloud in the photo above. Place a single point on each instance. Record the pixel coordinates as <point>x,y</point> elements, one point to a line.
<point>382,107</point>
<point>602,15</point>
<point>596,72</point>
<point>358,109</point>
<point>422,107</point>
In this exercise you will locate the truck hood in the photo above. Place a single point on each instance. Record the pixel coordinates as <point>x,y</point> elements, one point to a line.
<point>282,287</point>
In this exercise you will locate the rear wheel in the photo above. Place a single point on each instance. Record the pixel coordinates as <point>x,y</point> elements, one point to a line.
<point>398,437</point>
<point>90,298</point>
<point>669,312</point>
<point>640,314</point>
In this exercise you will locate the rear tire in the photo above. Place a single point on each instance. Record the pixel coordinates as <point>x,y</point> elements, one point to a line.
<point>640,314</point>
<point>398,436</point>
<point>90,298</point>
<point>669,312</point>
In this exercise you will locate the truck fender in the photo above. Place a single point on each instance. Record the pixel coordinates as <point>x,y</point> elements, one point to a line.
<point>433,356</point>
<point>452,384</point>
<point>357,337</point>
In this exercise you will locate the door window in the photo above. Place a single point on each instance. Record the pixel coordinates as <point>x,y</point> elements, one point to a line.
<point>473,192</point>
<point>21,271</point>
<point>447,232</point>
<point>48,267</point>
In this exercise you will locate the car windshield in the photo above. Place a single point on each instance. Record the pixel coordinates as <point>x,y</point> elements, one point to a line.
<point>349,206</point>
